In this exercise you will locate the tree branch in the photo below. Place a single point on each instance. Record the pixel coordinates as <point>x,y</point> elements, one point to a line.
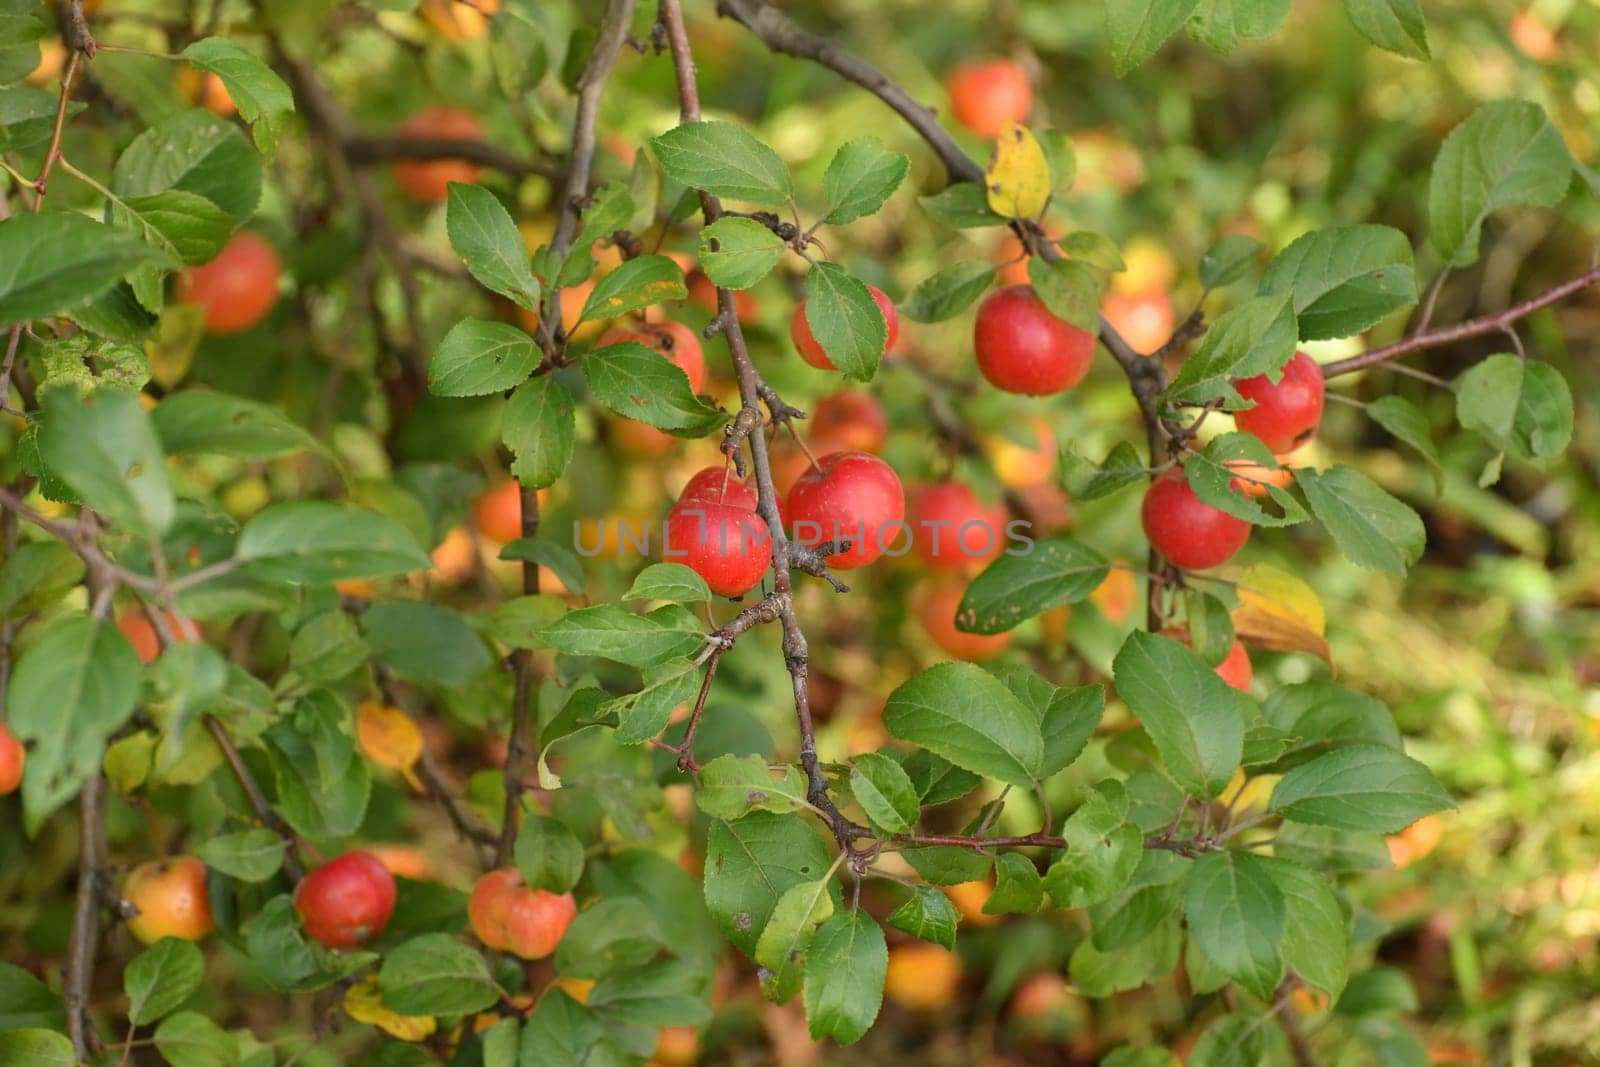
<point>795,653</point>
<point>365,151</point>
<point>84,940</point>
<point>1487,324</point>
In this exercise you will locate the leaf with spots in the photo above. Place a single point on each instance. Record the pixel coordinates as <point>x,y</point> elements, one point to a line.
<point>750,863</point>
<point>1013,589</point>
<point>638,283</point>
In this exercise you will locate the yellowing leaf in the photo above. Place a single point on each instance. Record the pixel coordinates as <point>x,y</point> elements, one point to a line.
<point>1018,178</point>
<point>1280,612</point>
<point>363,1003</point>
<point>389,737</point>
<point>171,351</point>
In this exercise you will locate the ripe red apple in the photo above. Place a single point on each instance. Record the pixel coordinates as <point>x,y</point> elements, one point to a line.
<point>1287,412</point>
<point>808,346</point>
<point>171,898</point>
<point>673,340</point>
<point>237,287</point>
<point>429,179</point>
<point>508,916</point>
<point>347,900</point>
<point>12,758</point>
<point>850,421</point>
<point>1235,667</point>
<point>718,485</point>
<point>727,545</point>
<point>984,95</point>
<point>850,496</point>
<point>938,618</point>
<point>1023,348</point>
<point>951,528</point>
<point>1186,530</point>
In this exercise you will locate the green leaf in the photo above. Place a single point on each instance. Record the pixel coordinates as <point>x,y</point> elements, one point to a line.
<point>1257,337</point>
<point>644,714</point>
<point>248,855</point>
<point>161,978</point>
<point>538,426</point>
<point>27,1002</point>
<point>36,575</point>
<point>737,253</point>
<point>1522,407</point>
<point>1139,1056</point>
<point>638,283</point>
<point>1087,480</point>
<point>1228,260</point>
<point>1014,589</point>
<point>27,116</point>
<point>960,712</point>
<point>1362,787</point>
<point>1138,28</point>
<point>310,541</point>
<point>1392,24</point>
<point>845,320</point>
<point>1098,973</point>
<point>1385,990</point>
<point>1507,152</point>
<point>279,948</point>
<point>884,791</point>
<point>195,151</point>
<point>104,448</point>
<point>1095,249</point>
<point>963,205</point>
<point>1067,723</point>
<point>1102,850</point>
<point>1372,528</point>
<point>548,854</point>
<point>614,633</point>
<point>1238,1040</point>
<point>435,975</point>
<point>862,175</point>
<point>669,581</point>
<point>731,786</point>
<point>423,642</point>
<point>71,689</point>
<point>780,951</point>
<point>187,225</point>
<point>195,421</point>
<point>1220,24</point>
<point>642,384</point>
<point>477,358</point>
<point>844,974</point>
<point>56,262</point>
<point>927,914</point>
<point>1069,288</point>
<point>1018,889</point>
<point>1323,716</point>
<point>611,934</point>
<point>949,864</point>
<point>313,801</point>
<point>1316,931</point>
<point>949,292</point>
<point>1211,477</point>
<point>1236,915</point>
<point>189,1039</point>
<point>1187,710</point>
<point>261,96</point>
<point>327,647</point>
<point>664,993</point>
<point>20,34</point>
<point>486,238</point>
<point>1409,425</point>
<point>37,1047</point>
<point>1344,278</point>
<point>750,863</point>
<point>559,558</point>
<point>725,160</point>
<point>563,1033</point>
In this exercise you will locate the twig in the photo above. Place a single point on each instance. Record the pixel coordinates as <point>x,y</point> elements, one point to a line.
<point>85,938</point>
<point>522,749</point>
<point>1289,1020</point>
<point>258,800</point>
<point>466,824</point>
<point>365,151</point>
<point>1486,324</point>
<point>795,653</point>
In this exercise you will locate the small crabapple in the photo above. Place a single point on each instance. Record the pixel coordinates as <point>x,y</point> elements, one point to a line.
<point>508,915</point>
<point>848,496</point>
<point>673,340</point>
<point>850,421</point>
<point>951,528</point>
<point>811,349</point>
<point>1022,347</point>
<point>237,287</point>
<point>985,95</point>
<point>1185,529</point>
<point>171,897</point>
<point>347,900</point>
<point>429,179</point>
<point>1286,412</point>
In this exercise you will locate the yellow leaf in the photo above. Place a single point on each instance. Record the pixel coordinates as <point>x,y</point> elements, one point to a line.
<point>1018,178</point>
<point>389,737</point>
<point>1280,612</point>
<point>363,1003</point>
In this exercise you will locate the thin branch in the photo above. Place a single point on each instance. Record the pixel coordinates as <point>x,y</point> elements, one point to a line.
<point>467,825</point>
<point>85,938</point>
<point>258,800</point>
<point>1498,322</point>
<point>795,653</point>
